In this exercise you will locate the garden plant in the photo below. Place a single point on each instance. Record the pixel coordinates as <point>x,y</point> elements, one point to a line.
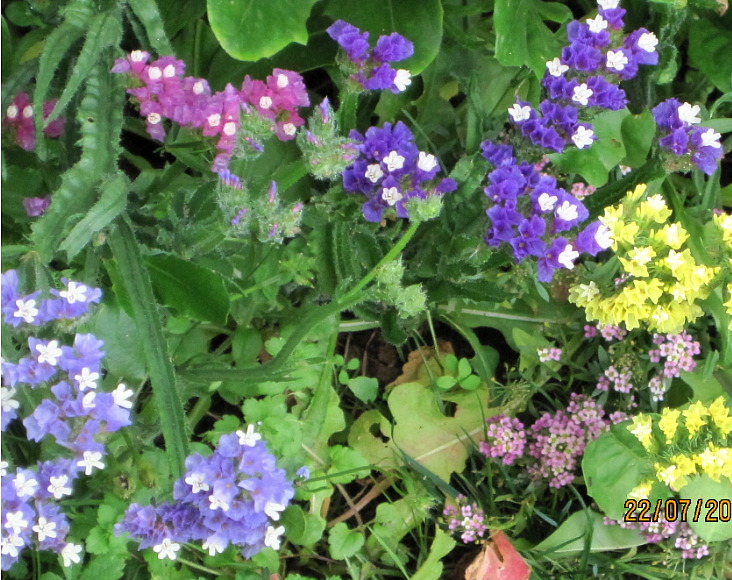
<point>366,289</point>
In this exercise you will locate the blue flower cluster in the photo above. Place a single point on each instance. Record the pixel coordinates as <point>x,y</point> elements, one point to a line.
<point>586,75</point>
<point>529,210</point>
<point>683,138</point>
<point>390,170</point>
<point>76,414</point>
<point>370,69</point>
<point>234,496</point>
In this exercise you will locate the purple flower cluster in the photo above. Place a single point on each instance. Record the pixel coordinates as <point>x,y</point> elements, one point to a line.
<point>586,75</point>
<point>234,496</point>
<point>465,518</point>
<point>19,119</point>
<point>390,170</point>
<point>31,514</point>
<point>529,210</point>
<point>692,546</point>
<point>677,352</point>
<point>164,92</point>
<point>682,138</point>
<point>77,416</point>
<point>555,442</point>
<point>618,376</point>
<point>370,68</point>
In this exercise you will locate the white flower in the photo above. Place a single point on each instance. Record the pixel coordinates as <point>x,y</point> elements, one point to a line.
<point>272,537</point>
<point>282,81</point>
<point>273,509</point>
<point>90,461</point>
<point>567,211</point>
<point>250,438</point>
<point>169,71</point>
<point>616,60</point>
<point>265,102</point>
<point>519,113</point>
<point>218,503</point>
<point>9,545</point>
<point>86,379</point>
<point>28,111</point>
<point>710,138</point>
<point>402,79</point>
<point>137,56</point>
<point>556,68</point>
<point>87,402</point>
<point>198,88</point>
<point>391,195</point>
<point>581,94</point>
<point>167,549</point>
<point>648,42</point>
<point>70,553</point>
<point>45,529</point>
<point>567,257</point>
<point>229,128</point>
<point>608,4</point>
<point>374,173</point>
<point>15,521</point>
<point>8,403</point>
<point>58,486</point>
<point>26,310</point>
<point>583,137</point>
<point>393,161</point>
<point>597,24</point>
<point>588,291</point>
<point>3,468</point>
<point>122,395</point>
<point>426,161</point>
<point>195,480</point>
<point>289,129</point>
<point>12,112</point>
<point>49,353</point>
<point>214,545</point>
<point>603,237</point>
<point>24,487</point>
<point>546,201</point>
<point>214,120</point>
<point>154,73</point>
<point>688,113</point>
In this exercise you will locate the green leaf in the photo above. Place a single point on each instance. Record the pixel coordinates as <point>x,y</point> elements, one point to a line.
<point>571,537</point>
<point>365,388</point>
<point>110,205</point>
<point>346,464</point>
<point>522,38</point>
<point>137,285</point>
<point>104,566</point>
<point>417,20</point>
<point>252,29</point>
<point>431,568</point>
<point>708,523</point>
<point>709,46</point>
<point>193,290</point>
<point>638,132</point>
<point>613,464</point>
<point>344,543</point>
<point>149,14</point>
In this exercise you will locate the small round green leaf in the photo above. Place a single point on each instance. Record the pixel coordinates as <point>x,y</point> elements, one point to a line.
<point>344,543</point>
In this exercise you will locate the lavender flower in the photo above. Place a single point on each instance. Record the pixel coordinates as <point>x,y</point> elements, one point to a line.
<point>370,69</point>
<point>390,171</point>
<point>233,497</point>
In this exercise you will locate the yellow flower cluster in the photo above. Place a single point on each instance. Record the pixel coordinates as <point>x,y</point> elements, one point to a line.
<point>661,280</point>
<point>696,440</point>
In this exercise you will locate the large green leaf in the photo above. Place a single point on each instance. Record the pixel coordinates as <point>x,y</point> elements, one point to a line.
<point>572,536</point>
<point>522,38</point>
<point>705,516</point>
<point>418,20</point>
<point>613,465</point>
<point>191,289</point>
<point>252,29</point>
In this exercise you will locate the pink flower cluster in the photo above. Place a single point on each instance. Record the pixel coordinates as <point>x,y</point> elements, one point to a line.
<point>618,376</point>
<point>677,350</point>
<point>549,353</point>
<point>163,92</point>
<point>19,118</point>
<point>556,441</point>
<point>691,546</point>
<point>466,518</point>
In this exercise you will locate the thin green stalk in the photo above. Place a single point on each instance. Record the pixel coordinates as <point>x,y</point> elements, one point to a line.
<point>347,111</point>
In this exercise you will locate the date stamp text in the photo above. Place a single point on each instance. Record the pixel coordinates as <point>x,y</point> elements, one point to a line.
<point>682,510</point>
